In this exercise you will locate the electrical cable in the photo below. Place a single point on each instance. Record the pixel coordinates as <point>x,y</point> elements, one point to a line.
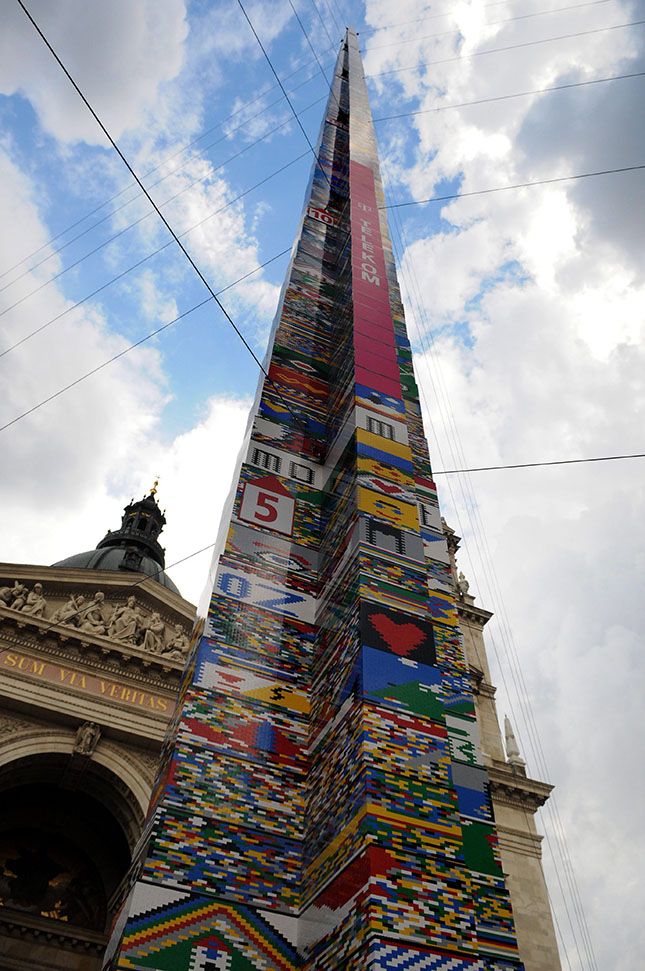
<point>519,185</point>
<point>311,46</point>
<point>535,465</point>
<point>300,422</point>
<point>499,50</point>
<point>145,259</point>
<point>413,202</point>
<point>138,343</point>
<point>324,25</point>
<point>141,219</point>
<point>282,88</point>
<point>435,16</point>
<point>333,15</point>
<point>506,97</point>
<point>492,23</point>
<point>168,175</point>
<point>165,160</point>
<point>438,384</point>
<point>140,184</point>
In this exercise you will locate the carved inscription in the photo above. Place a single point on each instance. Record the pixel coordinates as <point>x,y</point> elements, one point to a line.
<point>57,674</point>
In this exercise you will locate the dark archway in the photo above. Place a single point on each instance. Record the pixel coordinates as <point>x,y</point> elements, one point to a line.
<point>67,828</point>
<point>62,854</point>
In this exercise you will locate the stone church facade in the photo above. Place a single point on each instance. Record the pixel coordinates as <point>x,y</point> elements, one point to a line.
<point>516,797</point>
<point>90,660</point>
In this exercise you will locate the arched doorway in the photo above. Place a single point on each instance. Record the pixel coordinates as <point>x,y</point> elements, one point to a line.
<point>67,828</point>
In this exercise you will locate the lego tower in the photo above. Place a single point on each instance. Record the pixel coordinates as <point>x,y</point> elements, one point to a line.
<point>321,802</point>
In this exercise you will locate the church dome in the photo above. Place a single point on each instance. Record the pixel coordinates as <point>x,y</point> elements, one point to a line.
<point>114,559</point>
<point>133,547</point>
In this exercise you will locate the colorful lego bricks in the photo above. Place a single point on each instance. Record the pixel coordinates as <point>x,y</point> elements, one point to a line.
<point>321,803</point>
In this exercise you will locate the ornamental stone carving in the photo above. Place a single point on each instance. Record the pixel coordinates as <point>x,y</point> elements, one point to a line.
<point>9,595</point>
<point>462,585</point>
<point>127,623</point>
<point>87,738</point>
<point>70,612</point>
<point>154,636</point>
<point>178,645</point>
<point>95,618</point>
<point>31,602</point>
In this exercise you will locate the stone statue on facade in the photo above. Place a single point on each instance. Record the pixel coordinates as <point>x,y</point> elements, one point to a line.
<point>95,618</point>
<point>178,645</point>
<point>126,622</point>
<point>462,585</point>
<point>9,595</point>
<point>87,737</point>
<point>154,637</point>
<point>70,613</point>
<point>34,603</point>
<point>513,756</point>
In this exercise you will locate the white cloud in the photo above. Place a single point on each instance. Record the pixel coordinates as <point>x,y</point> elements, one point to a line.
<point>544,283</point>
<point>141,47</point>
<point>81,440</point>
<point>196,471</point>
<point>535,300</point>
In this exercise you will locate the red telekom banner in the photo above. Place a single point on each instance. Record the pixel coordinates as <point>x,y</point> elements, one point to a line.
<point>374,345</point>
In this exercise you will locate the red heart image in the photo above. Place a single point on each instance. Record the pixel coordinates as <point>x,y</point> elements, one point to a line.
<point>402,638</point>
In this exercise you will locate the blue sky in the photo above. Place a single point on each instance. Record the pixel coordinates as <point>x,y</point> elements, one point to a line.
<point>524,309</point>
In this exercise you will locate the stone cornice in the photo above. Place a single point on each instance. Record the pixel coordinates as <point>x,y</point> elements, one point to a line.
<point>15,923</point>
<point>58,581</point>
<point>479,685</point>
<point>516,790</point>
<point>472,614</point>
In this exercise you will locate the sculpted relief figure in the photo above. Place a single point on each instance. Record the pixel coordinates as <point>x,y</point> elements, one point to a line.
<point>153,640</point>
<point>34,602</point>
<point>9,595</point>
<point>178,645</point>
<point>87,738</point>
<point>69,613</point>
<point>95,618</point>
<point>463,585</point>
<point>126,622</point>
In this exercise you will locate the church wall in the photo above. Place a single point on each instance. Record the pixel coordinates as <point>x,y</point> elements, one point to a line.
<point>82,718</point>
<point>515,802</point>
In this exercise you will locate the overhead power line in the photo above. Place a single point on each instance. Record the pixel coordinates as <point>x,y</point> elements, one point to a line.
<point>421,20</point>
<point>492,23</point>
<point>169,158</point>
<point>536,465</point>
<point>518,185</point>
<point>446,13</point>
<point>164,178</point>
<point>143,340</point>
<point>137,222</point>
<point>149,256</point>
<point>323,24</point>
<point>506,97</point>
<point>297,418</point>
<point>282,88</point>
<point>499,50</point>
